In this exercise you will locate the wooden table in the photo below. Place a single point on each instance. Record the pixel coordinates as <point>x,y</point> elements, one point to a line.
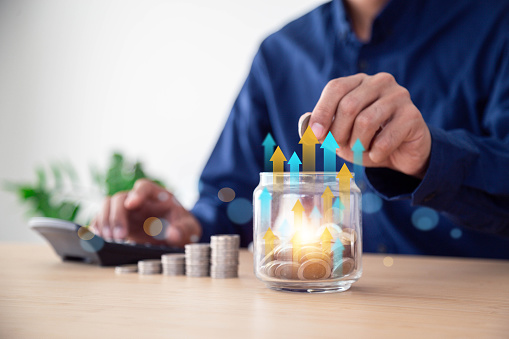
<point>41,297</point>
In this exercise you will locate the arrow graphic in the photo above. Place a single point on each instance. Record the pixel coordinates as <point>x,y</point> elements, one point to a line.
<point>265,201</point>
<point>269,238</point>
<point>297,209</point>
<point>285,229</point>
<point>278,166</point>
<point>308,142</point>
<point>337,209</point>
<point>329,146</point>
<point>326,241</point>
<point>296,243</point>
<point>357,149</point>
<point>338,249</point>
<point>294,163</point>
<point>327,204</point>
<point>315,217</point>
<point>344,191</point>
<point>268,147</point>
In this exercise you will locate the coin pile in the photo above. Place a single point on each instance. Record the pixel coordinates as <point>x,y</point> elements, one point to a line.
<point>309,261</point>
<point>149,266</point>
<point>224,256</point>
<point>173,264</point>
<point>197,259</point>
<point>123,269</point>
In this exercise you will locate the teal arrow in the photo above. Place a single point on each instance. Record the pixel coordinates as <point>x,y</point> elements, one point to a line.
<point>357,149</point>
<point>329,146</point>
<point>337,208</point>
<point>268,145</point>
<point>338,249</point>
<point>294,163</point>
<point>265,200</point>
<point>285,230</point>
<point>315,216</point>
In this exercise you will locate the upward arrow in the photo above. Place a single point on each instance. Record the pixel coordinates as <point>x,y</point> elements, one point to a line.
<point>329,146</point>
<point>327,204</point>
<point>265,199</point>
<point>297,210</point>
<point>308,142</point>
<point>269,238</point>
<point>294,163</point>
<point>296,244</point>
<point>357,149</point>
<point>315,217</point>
<point>268,147</point>
<point>278,166</point>
<point>344,191</point>
<point>285,229</point>
<point>337,209</point>
<point>326,241</point>
<point>338,249</point>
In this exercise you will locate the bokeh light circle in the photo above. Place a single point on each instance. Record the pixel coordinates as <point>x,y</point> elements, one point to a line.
<point>388,261</point>
<point>371,203</point>
<point>240,211</point>
<point>153,226</point>
<point>95,244</point>
<point>425,219</point>
<point>84,233</point>
<point>226,194</point>
<point>456,233</point>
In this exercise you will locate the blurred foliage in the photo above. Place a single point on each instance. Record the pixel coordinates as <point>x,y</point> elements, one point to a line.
<point>57,192</point>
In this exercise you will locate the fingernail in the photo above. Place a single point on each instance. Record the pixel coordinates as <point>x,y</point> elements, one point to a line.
<point>163,196</point>
<point>174,235</point>
<point>317,130</point>
<point>194,238</point>
<point>130,196</point>
<point>107,233</point>
<point>118,232</point>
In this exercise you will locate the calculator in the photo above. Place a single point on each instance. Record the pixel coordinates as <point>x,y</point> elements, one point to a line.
<point>63,236</point>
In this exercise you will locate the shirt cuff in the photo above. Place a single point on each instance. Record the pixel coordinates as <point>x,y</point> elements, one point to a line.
<point>441,182</point>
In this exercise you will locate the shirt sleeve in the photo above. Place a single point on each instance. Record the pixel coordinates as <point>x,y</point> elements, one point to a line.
<point>236,162</point>
<point>468,175</point>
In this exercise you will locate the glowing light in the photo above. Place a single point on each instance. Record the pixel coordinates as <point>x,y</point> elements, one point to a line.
<point>388,261</point>
<point>240,211</point>
<point>95,244</point>
<point>226,194</point>
<point>425,219</point>
<point>85,234</point>
<point>371,203</point>
<point>456,233</point>
<point>153,226</point>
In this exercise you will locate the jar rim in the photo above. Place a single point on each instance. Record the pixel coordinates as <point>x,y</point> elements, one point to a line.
<point>304,173</point>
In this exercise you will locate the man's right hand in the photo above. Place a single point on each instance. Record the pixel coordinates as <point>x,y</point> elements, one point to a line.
<point>124,214</point>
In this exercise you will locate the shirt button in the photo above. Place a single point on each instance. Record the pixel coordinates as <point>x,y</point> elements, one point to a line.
<point>362,65</point>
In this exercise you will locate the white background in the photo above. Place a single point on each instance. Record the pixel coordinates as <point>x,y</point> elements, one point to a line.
<point>153,79</point>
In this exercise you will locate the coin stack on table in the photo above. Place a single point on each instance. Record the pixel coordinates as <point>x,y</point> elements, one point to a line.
<point>197,260</point>
<point>123,269</point>
<point>224,256</point>
<point>149,266</point>
<point>173,264</point>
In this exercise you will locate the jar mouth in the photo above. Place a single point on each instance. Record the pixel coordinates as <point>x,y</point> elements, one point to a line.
<point>296,180</point>
<point>315,174</point>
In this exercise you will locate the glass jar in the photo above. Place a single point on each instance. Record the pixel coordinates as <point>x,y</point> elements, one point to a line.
<point>307,231</point>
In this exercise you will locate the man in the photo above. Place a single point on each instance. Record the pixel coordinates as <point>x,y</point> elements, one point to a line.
<point>423,84</point>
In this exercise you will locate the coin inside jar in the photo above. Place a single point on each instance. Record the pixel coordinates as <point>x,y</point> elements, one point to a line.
<point>306,250</point>
<point>270,268</point>
<point>284,253</point>
<point>316,255</point>
<point>314,269</point>
<point>287,270</point>
<point>343,268</point>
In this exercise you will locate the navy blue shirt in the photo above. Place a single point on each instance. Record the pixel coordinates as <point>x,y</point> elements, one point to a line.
<point>452,56</point>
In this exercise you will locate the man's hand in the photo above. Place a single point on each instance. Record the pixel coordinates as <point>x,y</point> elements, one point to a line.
<point>379,112</point>
<point>123,215</point>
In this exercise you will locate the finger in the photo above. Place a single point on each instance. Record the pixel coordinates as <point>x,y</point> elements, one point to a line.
<point>326,107</point>
<point>389,139</point>
<point>143,190</point>
<point>104,220</point>
<point>349,108</point>
<point>118,216</point>
<point>183,231</point>
<point>368,122</point>
<point>93,226</point>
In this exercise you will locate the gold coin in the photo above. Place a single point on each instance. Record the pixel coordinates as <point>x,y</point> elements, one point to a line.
<point>344,268</point>
<point>316,255</point>
<point>284,253</point>
<point>287,270</point>
<point>314,269</point>
<point>305,250</point>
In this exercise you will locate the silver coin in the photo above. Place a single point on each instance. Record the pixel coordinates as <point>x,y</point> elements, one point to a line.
<point>343,268</point>
<point>314,269</point>
<point>122,269</point>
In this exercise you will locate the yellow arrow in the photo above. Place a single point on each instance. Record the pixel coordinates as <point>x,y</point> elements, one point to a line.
<point>269,238</point>
<point>344,177</point>
<point>326,241</point>
<point>327,204</point>
<point>278,166</point>
<point>297,209</point>
<point>296,244</point>
<point>308,142</point>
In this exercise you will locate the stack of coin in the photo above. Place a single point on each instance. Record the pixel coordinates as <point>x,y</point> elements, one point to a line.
<point>173,264</point>
<point>149,266</point>
<point>224,256</point>
<point>126,269</point>
<point>197,260</point>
